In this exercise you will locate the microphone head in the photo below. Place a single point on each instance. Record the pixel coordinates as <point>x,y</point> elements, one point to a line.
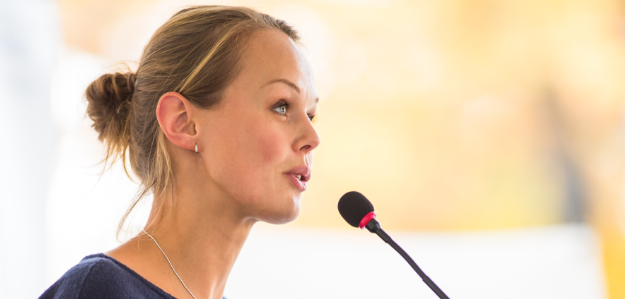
<point>354,206</point>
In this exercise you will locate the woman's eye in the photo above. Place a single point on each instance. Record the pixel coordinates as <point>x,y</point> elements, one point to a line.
<point>281,109</point>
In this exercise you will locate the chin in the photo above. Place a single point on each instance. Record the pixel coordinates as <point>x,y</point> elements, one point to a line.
<point>284,216</point>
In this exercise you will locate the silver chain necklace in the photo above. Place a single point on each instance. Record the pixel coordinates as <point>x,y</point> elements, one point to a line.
<point>172,266</point>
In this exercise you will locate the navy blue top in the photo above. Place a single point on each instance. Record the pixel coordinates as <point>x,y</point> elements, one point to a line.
<point>100,276</point>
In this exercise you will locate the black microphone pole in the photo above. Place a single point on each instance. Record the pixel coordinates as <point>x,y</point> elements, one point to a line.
<point>374,227</point>
<point>358,211</point>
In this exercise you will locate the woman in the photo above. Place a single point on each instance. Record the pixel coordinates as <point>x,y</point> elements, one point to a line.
<point>217,125</point>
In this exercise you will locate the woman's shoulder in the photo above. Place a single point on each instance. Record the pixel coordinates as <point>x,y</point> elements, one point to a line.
<point>101,276</point>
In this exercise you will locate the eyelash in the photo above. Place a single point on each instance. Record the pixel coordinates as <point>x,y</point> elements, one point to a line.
<point>287,105</point>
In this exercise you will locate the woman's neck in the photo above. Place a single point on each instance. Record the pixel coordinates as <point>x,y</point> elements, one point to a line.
<point>201,236</point>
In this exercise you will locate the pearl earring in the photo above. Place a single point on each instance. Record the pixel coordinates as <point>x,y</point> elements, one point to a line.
<point>196,148</point>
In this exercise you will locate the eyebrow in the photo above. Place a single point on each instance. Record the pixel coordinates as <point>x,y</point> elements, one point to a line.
<point>289,83</point>
<point>285,81</point>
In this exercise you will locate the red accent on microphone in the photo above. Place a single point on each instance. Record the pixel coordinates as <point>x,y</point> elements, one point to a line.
<point>366,219</point>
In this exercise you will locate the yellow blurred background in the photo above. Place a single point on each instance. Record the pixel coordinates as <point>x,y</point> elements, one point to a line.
<point>449,115</point>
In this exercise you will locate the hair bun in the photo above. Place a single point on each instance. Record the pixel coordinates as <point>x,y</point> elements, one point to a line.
<point>109,107</point>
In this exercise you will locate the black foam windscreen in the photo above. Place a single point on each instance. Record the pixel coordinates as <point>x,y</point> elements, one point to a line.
<point>353,206</point>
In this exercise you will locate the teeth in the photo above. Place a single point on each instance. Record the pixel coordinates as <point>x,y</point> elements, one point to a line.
<point>299,177</point>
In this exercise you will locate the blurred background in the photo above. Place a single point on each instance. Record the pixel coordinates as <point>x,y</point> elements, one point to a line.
<point>489,135</point>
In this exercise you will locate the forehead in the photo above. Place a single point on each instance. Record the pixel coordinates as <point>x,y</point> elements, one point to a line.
<point>270,55</point>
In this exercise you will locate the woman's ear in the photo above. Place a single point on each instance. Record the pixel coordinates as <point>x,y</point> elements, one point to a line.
<point>175,116</point>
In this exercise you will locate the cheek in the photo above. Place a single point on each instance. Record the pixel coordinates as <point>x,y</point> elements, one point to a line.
<point>259,141</point>
<point>251,148</point>
<point>270,146</point>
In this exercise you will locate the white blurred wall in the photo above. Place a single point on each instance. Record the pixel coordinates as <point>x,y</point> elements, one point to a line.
<point>29,42</point>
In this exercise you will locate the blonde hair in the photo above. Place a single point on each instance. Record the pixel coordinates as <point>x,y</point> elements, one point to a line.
<point>195,53</point>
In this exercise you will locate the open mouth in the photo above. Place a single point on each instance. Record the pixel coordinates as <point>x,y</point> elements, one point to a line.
<point>299,176</point>
<point>299,181</point>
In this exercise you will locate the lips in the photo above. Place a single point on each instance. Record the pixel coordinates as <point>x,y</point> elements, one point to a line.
<point>299,176</point>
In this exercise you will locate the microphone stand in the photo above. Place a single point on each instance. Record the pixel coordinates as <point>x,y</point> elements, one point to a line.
<point>374,227</point>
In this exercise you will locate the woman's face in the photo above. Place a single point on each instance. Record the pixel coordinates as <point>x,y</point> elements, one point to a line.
<point>259,139</point>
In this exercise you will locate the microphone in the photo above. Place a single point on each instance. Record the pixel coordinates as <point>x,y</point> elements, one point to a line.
<point>358,211</point>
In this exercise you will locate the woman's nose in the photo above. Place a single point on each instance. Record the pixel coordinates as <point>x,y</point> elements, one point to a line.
<point>308,139</point>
